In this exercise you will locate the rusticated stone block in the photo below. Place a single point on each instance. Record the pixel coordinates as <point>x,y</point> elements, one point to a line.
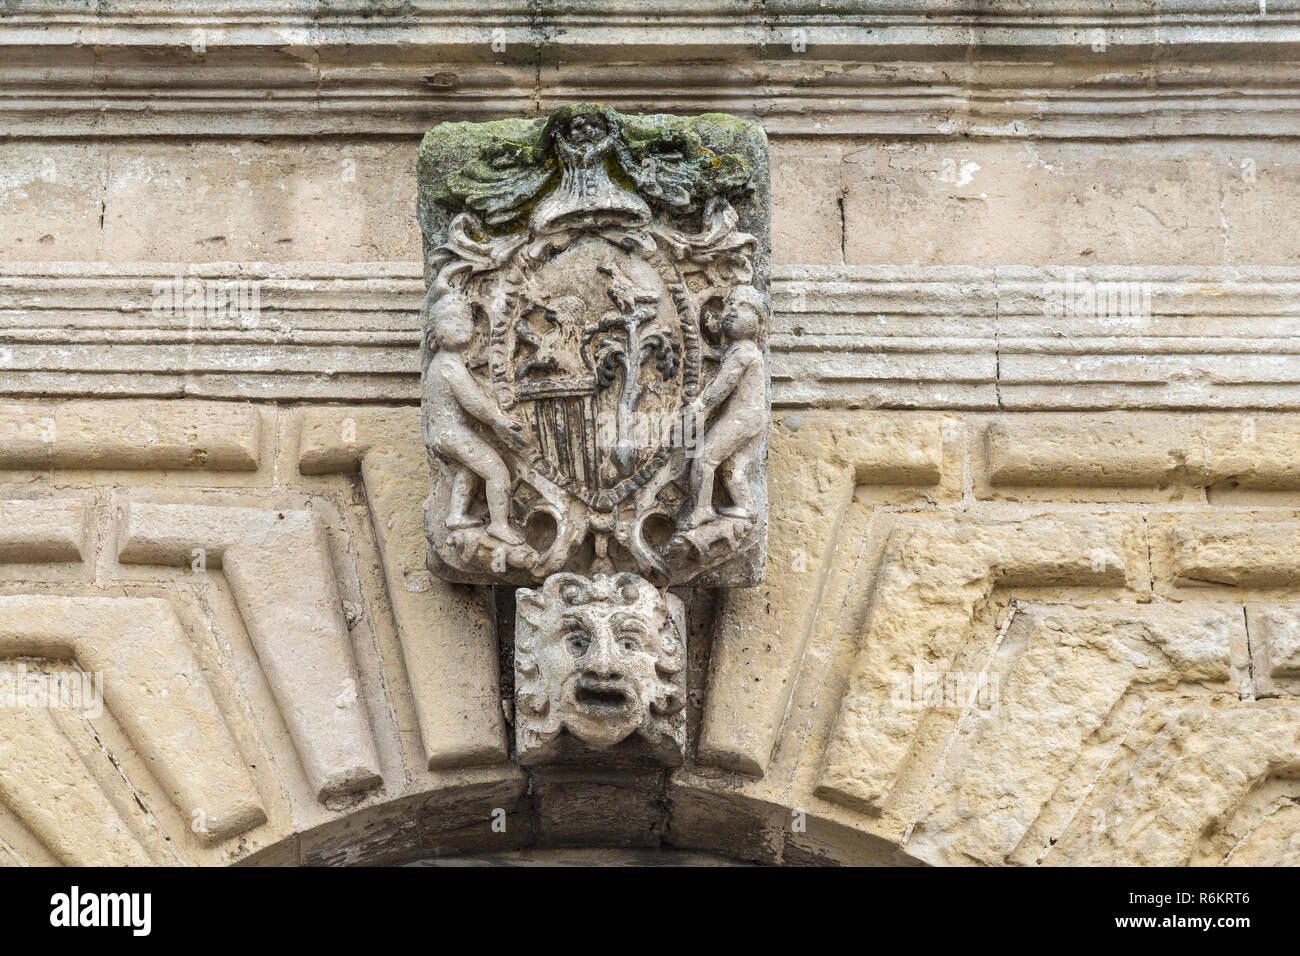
<point>1275,649</point>
<point>153,686</point>
<point>930,582</point>
<point>38,530</point>
<point>1055,681</point>
<point>1243,551</point>
<point>1113,453</point>
<point>447,632</point>
<point>1180,772</point>
<point>1133,451</point>
<point>130,435</point>
<point>278,566</point>
<point>817,463</point>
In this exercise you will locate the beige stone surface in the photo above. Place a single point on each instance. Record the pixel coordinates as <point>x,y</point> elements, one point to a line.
<point>1244,451</point>
<point>205,202</point>
<point>930,581</point>
<point>983,202</point>
<point>139,654</point>
<point>447,631</point>
<point>1100,511</point>
<point>1063,671</point>
<point>45,783</point>
<point>279,571</point>
<point>1251,552</point>
<point>793,701</point>
<point>75,435</point>
<point>1275,649</point>
<point>1191,768</point>
<point>38,531</point>
<point>815,465</point>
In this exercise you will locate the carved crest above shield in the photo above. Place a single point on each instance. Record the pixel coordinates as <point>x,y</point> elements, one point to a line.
<point>596,389</point>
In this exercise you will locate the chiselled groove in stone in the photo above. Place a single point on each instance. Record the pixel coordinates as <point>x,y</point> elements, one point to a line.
<point>448,639</point>
<point>814,467</point>
<point>153,686</point>
<point>281,577</point>
<point>930,581</point>
<point>130,435</point>
<point>39,530</point>
<point>1184,756</point>
<point>1251,552</point>
<point>1053,684</point>
<point>1254,451</point>
<point>45,783</point>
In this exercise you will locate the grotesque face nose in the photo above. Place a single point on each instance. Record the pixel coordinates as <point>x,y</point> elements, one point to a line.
<point>601,660</point>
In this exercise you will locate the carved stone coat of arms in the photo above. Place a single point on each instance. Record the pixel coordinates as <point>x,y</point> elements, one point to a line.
<point>595,367</point>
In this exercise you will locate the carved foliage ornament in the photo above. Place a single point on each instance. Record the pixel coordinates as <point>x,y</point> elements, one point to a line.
<point>596,389</point>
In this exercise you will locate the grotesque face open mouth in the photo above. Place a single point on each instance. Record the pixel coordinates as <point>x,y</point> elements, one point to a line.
<point>599,696</point>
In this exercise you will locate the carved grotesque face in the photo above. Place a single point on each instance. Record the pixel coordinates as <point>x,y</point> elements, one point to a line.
<point>586,129</point>
<point>600,658</point>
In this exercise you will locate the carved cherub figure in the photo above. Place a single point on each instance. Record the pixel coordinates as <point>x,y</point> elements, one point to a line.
<point>451,401</point>
<point>737,432</point>
<point>601,658</point>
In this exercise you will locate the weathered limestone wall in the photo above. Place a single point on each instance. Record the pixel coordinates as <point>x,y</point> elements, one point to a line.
<point>980,477</point>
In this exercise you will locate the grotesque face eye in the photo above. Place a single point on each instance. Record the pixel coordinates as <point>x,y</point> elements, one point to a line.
<point>629,641</point>
<point>577,641</point>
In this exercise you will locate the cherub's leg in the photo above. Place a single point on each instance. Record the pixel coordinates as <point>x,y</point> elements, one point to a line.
<point>703,470</point>
<point>498,496</point>
<point>487,464</point>
<point>464,484</point>
<point>720,445</point>
<point>736,479</point>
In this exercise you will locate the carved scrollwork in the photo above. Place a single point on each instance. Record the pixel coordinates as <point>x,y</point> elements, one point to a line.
<point>571,401</point>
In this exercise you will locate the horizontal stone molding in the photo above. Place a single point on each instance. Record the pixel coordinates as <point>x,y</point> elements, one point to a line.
<point>1071,68</point>
<point>1066,68</point>
<point>828,98</point>
<point>926,337</point>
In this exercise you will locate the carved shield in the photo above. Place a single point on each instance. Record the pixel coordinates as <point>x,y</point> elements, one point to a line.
<point>596,353</point>
<point>596,270</point>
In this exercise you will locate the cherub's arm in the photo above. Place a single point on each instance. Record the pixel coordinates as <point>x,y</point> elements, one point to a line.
<point>469,395</point>
<point>471,398</point>
<point>734,363</point>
